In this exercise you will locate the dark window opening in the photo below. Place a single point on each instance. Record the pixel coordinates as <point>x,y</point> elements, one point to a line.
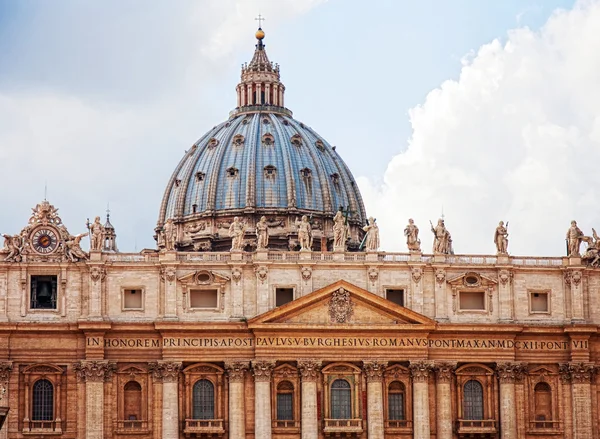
<point>203,395</point>
<point>283,296</point>
<point>395,296</point>
<point>473,400</point>
<point>396,401</point>
<point>341,400</point>
<point>43,401</point>
<point>43,292</point>
<point>285,399</point>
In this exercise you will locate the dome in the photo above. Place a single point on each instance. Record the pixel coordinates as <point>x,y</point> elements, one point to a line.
<point>260,162</point>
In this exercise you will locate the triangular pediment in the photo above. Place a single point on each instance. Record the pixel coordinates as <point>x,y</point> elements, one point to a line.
<point>343,305</point>
<point>472,279</point>
<point>203,277</point>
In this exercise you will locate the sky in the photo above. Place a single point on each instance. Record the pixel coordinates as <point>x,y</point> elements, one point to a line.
<point>486,111</point>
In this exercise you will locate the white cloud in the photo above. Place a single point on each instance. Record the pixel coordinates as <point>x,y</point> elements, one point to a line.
<point>516,137</point>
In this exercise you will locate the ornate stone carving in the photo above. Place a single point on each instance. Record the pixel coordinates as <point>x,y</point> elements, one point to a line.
<point>440,276</point>
<point>417,274</point>
<point>14,245</point>
<point>577,373</point>
<point>501,238</point>
<point>373,274</point>
<point>5,370</point>
<point>263,369</point>
<point>168,273</point>
<point>236,370</point>
<point>504,276</point>
<point>306,273</point>
<point>262,273</point>
<point>97,273</point>
<point>165,371</point>
<point>374,370</point>
<point>341,306</point>
<point>411,231</point>
<point>509,372</point>
<point>94,371</point>
<point>309,369</point>
<point>576,277</point>
<point>73,251</point>
<point>419,370</point>
<point>444,372</point>
<point>372,238</point>
<point>236,274</point>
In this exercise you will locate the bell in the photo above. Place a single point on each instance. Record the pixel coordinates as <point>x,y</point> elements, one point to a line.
<point>44,290</point>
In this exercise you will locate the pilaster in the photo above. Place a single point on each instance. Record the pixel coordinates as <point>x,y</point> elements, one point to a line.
<point>168,275</point>
<point>5,371</point>
<point>309,373</point>
<point>443,375</point>
<point>419,371</point>
<point>374,370</point>
<point>97,274</point>
<point>167,372</point>
<point>580,377</point>
<point>236,371</point>
<point>262,370</point>
<point>508,373</point>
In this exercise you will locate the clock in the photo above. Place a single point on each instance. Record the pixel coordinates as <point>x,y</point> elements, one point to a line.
<point>44,240</point>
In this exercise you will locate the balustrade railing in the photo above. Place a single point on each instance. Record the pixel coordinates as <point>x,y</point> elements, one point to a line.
<point>131,425</point>
<point>544,425</point>
<point>398,423</point>
<point>285,424</point>
<point>476,424</point>
<point>42,427</point>
<point>343,425</point>
<point>204,425</point>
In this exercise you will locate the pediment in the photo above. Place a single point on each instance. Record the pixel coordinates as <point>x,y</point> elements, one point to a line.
<point>341,304</point>
<point>203,277</point>
<point>472,279</point>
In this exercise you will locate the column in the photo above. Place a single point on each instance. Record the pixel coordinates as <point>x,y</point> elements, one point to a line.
<point>167,372</point>
<point>374,373</point>
<point>262,397</point>
<point>309,372</point>
<point>580,375</point>
<point>250,100</point>
<point>5,370</point>
<point>94,374</point>
<point>275,94</point>
<point>443,375</point>
<point>508,373</point>
<point>237,423</point>
<point>259,100</point>
<point>268,94</point>
<point>419,370</point>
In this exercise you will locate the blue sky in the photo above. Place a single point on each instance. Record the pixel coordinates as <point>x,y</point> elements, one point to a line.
<point>100,99</point>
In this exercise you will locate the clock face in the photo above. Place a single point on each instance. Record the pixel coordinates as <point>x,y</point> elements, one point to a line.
<point>44,240</point>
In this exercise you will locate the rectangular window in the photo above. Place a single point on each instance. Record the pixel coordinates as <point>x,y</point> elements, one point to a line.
<point>396,406</point>
<point>538,302</point>
<point>133,299</point>
<point>284,407</point>
<point>395,295</point>
<point>283,296</point>
<point>472,301</point>
<point>43,292</point>
<point>204,299</point>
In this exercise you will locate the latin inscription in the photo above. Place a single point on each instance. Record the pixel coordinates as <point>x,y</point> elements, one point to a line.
<point>327,342</point>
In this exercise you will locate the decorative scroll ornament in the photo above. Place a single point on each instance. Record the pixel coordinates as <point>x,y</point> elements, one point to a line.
<point>236,370</point>
<point>261,274</point>
<point>504,276</point>
<point>5,370</point>
<point>306,273</point>
<point>419,370</point>
<point>576,278</point>
<point>94,371</point>
<point>341,306</point>
<point>309,369</point>
<point>97,273</point>
<point>444,372</point>
<point>417,274</point>
<point>168,273</point>
<point>440,276</point>
<point>374,370</point>
<point>236,274</point>
<point>165,371</point>
<point>45,213</point>
<point>509,372</point>
<point>373,274</point>
<point>578,373</point>
<point>262,370</point>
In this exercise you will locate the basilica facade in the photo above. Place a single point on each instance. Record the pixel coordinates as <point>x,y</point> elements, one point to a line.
<point>268,311</point>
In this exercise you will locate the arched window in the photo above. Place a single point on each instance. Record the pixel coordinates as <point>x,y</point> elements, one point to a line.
<point>396,401</point>
<point>341,400</point>
<point>203,400</point>
<point>132,401</point>
<point>43,401</point>
<point>543,403</point>
<point>285,401</point>
<point>473,400</point>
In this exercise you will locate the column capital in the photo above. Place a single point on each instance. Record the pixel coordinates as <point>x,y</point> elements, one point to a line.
<point>94,371</point>
<point>5,370</point>
<point>165,371</point>
<point>309,369</point>
<point>262,370</point>
<point>444,371</point>
<point>420,369</point>
<point>374,370</point>
<point>236,370</point>
<point>577,373</point>
<point>509,372</point>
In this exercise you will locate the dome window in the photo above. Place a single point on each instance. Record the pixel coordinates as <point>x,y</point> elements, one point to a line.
<point>212,143</point>
<point>320,146</point>
<point>238,140</point>
<point>266,121</point>
<point>270,172</point>
<point>296,140</point>
<point>245,121</point>
<point>200,176</point>
<point>232,172</point>
<point>268,139</point>
<point>177,183</point>
<point>335,178</point>
<point>285,122</point>
<point>306,173</point>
